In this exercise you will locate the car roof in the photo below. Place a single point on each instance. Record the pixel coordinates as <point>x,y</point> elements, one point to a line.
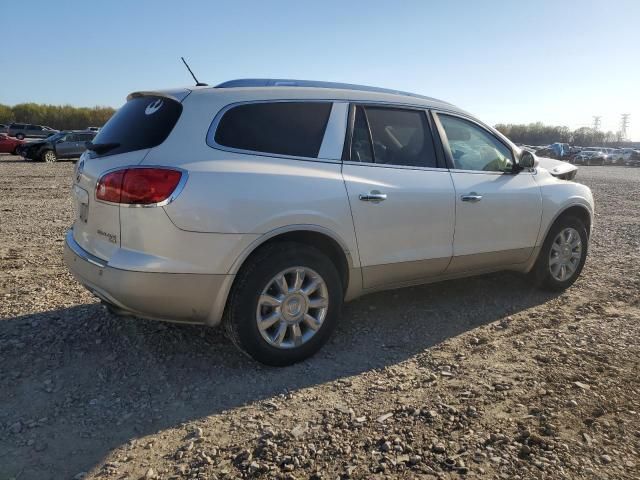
<point>282,82</point>
<point>269,88</point>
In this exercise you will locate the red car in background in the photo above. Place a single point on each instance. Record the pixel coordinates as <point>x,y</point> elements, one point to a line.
<point>9,144</point>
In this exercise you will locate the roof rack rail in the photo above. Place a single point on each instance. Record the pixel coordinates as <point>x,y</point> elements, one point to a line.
<point>282,82</point>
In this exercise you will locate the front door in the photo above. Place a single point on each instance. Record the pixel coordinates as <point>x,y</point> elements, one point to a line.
<point>498,213</point>
<point>402,201</point>
<point>66,146</point>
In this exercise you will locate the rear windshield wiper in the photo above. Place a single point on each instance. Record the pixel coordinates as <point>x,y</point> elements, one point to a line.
<point>101,147</point>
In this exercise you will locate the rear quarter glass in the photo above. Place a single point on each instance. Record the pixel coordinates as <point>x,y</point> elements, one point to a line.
<point>141,123</point>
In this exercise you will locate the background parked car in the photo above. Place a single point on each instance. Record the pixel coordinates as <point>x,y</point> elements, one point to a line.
<point>589,157</point>
<point>61,145</point>
<point>9,144</point>
<point>632,158</point>
<point>23,130</point>
<point>3,128</point>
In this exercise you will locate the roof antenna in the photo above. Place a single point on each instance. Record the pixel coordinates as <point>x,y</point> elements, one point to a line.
<point>198,84</point>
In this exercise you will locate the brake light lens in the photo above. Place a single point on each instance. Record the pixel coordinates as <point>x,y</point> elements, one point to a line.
<point>138,186</point>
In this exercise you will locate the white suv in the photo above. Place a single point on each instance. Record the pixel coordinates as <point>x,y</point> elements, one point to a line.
<point>265,204</point>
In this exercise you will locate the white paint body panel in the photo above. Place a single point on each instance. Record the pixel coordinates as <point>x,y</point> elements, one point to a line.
<point>559,195</point>
<point>506,218</point>
<point>414,223</point>
<point>102,217</point>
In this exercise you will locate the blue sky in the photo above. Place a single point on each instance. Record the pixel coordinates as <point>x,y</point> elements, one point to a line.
<point>559,62</point>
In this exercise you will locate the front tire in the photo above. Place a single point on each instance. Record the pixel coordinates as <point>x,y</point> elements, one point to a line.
<point>285,303</point>
<point>49,156</point>
<point>563,254</point>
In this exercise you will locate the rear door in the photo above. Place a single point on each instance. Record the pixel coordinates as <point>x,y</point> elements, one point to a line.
<point>401,196</point>
<point>144,122</point>
<point>498,213</point>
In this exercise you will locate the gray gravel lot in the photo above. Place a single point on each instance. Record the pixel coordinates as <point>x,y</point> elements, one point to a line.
<point>481,378</point>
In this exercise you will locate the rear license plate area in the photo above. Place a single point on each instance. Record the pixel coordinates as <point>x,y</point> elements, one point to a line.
<point>82,203</point>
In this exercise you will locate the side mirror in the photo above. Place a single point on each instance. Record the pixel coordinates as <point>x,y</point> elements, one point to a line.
<point>527,160</point>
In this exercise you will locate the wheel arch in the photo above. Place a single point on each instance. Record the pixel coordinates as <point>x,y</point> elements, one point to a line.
<point>579,210</point>
<point>313,235</point>
<point>576,210</point>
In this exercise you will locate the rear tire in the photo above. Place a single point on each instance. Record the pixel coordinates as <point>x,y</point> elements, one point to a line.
<point>555,253</point>
<point>246,306</point>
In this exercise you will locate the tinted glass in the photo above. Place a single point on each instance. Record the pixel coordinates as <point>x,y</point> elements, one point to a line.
<point>361,149</point>
<point>142,122</point>
<point>34,127</point>
<point>85,137</point>
<point>473,148</point>
<point>18,125</point>
<point>401,137</point>
<point>283,128</point>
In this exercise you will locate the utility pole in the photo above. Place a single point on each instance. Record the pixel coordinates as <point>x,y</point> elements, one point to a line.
<point>596,122</point>
<point>624,124</point>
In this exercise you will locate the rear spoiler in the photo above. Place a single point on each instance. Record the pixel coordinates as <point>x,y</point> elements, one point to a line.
<point>177,94</point>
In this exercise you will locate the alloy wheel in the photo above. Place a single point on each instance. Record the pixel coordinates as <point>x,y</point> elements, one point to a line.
<point>292,307</point>
<point>565,255</point>
<point>49,156</point>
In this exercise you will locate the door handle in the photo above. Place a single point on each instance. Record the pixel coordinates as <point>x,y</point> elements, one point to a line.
<point>373,196</point>
<point>472,197</point>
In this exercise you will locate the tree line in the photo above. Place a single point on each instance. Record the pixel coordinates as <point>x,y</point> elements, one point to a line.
<point>540,134</point>
<point>67,117</point>
<point>60,117</point>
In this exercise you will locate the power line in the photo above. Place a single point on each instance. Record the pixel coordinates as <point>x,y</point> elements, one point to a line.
<point>596,122</point>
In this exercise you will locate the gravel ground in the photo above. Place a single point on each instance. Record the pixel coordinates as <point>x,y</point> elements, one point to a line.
<point>477,378</point>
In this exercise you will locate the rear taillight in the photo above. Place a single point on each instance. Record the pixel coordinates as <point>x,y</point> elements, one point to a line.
<point>138,186</point>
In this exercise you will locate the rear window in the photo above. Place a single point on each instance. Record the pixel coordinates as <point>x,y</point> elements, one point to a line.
<point>142,122</point>
<point>281,128</point>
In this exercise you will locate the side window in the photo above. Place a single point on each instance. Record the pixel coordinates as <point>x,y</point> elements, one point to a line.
<point>34,127</point>
<point>71,138</point>
<point>283,128</point>
<point>473,148</point>
<point>400,137</point>
<point>18,126</point>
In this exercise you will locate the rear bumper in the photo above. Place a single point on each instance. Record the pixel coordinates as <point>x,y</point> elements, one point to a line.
<point>174,297</point>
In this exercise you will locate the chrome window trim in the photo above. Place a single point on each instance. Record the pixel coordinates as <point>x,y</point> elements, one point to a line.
<point>398,167</point>
<point>489,172</point>
<point>211,132</point>
<point>176,192</point>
